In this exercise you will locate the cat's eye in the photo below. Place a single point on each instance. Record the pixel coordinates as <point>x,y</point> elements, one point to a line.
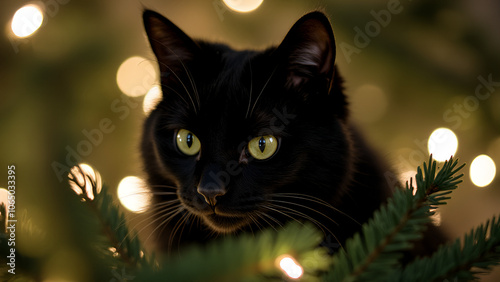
<point>187,142</point>
<point>263,147</point>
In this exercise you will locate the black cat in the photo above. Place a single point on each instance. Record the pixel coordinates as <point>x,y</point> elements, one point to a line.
<point>245,140</point>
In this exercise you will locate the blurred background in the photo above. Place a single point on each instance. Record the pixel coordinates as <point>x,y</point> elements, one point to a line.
<point>75,75</point>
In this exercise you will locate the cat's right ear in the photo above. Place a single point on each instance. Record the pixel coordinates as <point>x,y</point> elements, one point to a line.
<point>171,46</point>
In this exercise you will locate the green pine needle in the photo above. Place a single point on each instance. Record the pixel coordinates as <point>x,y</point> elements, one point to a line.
<point>372,255</point>
<point>246,258</point>
<point>459,261</point>
<point>120,245</point>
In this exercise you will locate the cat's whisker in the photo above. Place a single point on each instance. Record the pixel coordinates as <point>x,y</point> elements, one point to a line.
<point>263,214</point>
<point>303,206</point>
<point>271,207</point>
<point>178,224</point>
<point>175,74</point>
<point>262,91</point>
<point>176,92</point>
<point>287,210</point>
<point>193,85</point>
<point>260,215</point>
<point>162,186</point>
<point>257,223</point>
<point>169,216</point>
<point>251,88</point>
<point>154,213</point>
<point>315,200</point>
<point>153,208</point>
<point>184,86</point>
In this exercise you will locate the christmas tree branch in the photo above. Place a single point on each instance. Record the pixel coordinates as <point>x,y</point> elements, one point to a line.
<point>87,184</point>
<point>377,251</point>
<point>480,249</point>
<point>246,258</point>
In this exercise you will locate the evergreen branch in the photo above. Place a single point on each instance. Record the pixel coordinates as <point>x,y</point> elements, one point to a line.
<point>87,185</point>
<point>480,250</point>
<point>246,258</point>
<point>373,254</point>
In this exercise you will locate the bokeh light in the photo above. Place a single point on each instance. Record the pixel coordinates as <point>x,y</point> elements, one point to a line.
<point>442,144</point>
<point>133,194</point>
<point>85,181</point>
<point>4,196</point>
<point>27,20</point>
<point>290,267</point>
<point>135,76</point>
<point>152,98</point>
<point>482,171</point>
<point>243,6</point>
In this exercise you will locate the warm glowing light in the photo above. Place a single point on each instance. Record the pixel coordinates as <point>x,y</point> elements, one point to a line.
<point>4,197</point>
<point>436,218</point>
<point>85,181</point>
<point>151,99</point>
<point>406,177</point>
<point>243,6</point>
<point>482,171</point>
<point>442,144</point>
<point>133,194</point>
<point>135,76</point>
<point>27,20</point>
<point>290,267</point>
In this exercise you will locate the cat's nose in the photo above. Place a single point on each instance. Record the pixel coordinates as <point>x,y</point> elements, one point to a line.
<point>213,183</point>
<point>210,191</point>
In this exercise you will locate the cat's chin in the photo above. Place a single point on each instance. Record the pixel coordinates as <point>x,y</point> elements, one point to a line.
<point>225,224</point>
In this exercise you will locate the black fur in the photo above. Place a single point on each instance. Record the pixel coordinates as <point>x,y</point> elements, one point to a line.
<point>322,171</point>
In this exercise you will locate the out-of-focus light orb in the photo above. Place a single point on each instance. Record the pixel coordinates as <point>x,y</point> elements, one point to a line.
<point>243,6</point>
<point>83,179</point>
<point>290,267</point>
<point>482,171</point>
<point>135,76</point>
<point>406,176</point>
<point>4,197</point>
<point>442,144</point>
<point>152,98</point>
<point>27,20</point>
<point>133,194</point>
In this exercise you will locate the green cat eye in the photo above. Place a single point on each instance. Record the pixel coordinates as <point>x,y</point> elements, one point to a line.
<point>187,142</point>
<point>263,147</point>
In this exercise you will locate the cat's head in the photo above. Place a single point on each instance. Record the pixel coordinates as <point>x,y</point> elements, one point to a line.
<point>239,134</point>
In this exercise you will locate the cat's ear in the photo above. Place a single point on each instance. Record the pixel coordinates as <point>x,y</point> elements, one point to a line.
<point>172,47</point>
<point>309,50</point>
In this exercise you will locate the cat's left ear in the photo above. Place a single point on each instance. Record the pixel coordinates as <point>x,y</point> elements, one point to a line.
<point>172,47</point>
<point>309,50</point>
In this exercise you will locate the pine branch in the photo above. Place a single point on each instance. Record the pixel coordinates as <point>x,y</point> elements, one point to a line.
<point>121,244</point>
<point>246,258</point>
<point>457,261</point>
<point>372,255</point>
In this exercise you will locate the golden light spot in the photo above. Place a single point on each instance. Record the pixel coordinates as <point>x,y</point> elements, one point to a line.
<point>406,176</point>
<point>4,196</point>
<point>135,76</point>
<point>290,267</point>
<point>152,98</point>
<point>442,144</point>
<point>85,181</point>
<point>243,6</point>
<point>133,194</point>
<point>482,171</point>
<point>26,20</point>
